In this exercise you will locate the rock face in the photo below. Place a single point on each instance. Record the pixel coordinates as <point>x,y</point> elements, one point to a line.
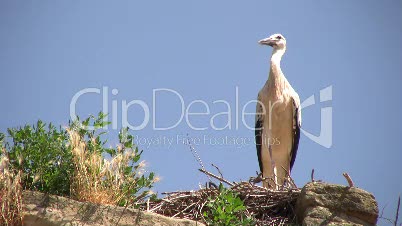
<point>318,204</point>
<point>328,204</point>
<point>49,210</point>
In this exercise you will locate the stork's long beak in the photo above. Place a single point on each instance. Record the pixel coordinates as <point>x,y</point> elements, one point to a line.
<point>266,41</point>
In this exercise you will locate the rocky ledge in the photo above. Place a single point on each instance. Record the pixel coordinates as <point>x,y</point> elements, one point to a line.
<point>330,204</point>
<point>318,204</point>
<point>50,210</point>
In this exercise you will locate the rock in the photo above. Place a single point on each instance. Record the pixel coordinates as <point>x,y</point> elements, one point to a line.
<point>329,204</point>
<point>49,210</point>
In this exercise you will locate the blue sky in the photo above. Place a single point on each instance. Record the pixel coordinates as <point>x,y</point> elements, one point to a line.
<point>50,50</point>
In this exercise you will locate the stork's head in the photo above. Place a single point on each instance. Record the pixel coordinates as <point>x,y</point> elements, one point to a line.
<point>277,41</point>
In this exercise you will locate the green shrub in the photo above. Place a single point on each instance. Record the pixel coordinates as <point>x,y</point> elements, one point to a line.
<point>71,162</point>
<point>226,209</point>
<point>46,158</point>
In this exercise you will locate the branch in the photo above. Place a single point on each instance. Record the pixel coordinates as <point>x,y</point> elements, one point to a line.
<point>188,207</point>
<point>217,168</point>
<point>397,211</point>
<point>257,179</point>
<point>350,182</point>
<point>216,177</point>
<point>312,175</point>
<point>289,178</point>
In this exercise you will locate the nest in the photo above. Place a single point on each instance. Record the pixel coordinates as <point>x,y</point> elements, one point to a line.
<point>267,207</point>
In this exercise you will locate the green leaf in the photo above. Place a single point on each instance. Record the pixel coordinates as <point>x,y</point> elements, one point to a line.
<point>110,151</point>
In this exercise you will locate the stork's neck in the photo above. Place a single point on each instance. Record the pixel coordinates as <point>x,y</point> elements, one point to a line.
<point>276,59</point>
<point>276,80</point>
<point>276,76</point>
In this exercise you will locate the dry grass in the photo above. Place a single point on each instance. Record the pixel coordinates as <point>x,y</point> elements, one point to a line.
<point>96,179</point>
<point>10,192</point>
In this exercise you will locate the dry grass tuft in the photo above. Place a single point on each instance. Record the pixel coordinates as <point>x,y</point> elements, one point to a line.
<point>10,192</point>
<point>96,179</point>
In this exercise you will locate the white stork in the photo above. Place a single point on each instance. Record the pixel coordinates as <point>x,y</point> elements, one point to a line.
<point>278,120</point>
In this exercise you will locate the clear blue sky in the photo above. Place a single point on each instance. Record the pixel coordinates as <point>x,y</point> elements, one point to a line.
<point>50,50</point>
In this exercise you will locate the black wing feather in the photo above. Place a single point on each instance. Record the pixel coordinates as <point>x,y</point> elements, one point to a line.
<point>258,139</point>
<point>296,135</point>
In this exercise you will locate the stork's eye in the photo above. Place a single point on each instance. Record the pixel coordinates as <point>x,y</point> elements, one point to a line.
<point>278,37</point>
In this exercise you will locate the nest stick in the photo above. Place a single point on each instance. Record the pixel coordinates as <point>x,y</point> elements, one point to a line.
<point>397,211</point>
<point>217,168</point>
<point>216,177</point>
<point>350,182</point>
<point>188,207</point>
<point>312,175</point>
<point>289,178</point>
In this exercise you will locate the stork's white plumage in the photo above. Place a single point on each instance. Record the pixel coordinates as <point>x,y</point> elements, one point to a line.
<point>278,120</point>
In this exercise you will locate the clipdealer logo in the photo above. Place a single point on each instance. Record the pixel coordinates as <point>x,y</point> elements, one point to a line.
<point>205,139</point>
<point>325,137</point>
<point>187,113</point>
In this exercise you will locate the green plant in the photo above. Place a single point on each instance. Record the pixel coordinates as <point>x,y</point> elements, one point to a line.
<point>73,162</point>
<point>90,130</point>
<point>226,209</point>
<point>46,158</point>
<point>120,180</point>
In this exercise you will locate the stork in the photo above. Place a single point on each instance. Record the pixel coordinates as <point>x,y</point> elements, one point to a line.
<point>278,120</point>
